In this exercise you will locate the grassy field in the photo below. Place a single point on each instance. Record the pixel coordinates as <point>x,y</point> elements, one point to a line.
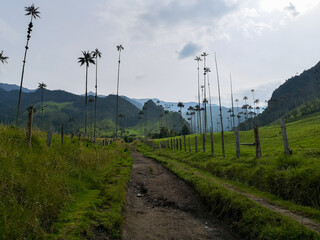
<point>63,192</point>
<point>289,181</point>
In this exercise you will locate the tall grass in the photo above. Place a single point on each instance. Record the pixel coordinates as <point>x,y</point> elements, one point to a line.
<point>37,183</point>
<point>295,178</point>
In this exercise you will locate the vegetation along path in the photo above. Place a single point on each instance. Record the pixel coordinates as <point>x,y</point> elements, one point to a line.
<point>305,221</point>
<point>161,206</point>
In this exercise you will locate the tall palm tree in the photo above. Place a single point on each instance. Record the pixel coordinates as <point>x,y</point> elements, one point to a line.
<point>86,59</point>
<point>199,59</point>
<point>119,48</point>
<point>207,71</point>
<point>33,12</point>
<point>180,105</point>
<point>96,54</point>
<point>42,86</point>
<point>220,108</point>
<point>204,55</point>
<point>3,59</point>
<point>232,115</point>
<point>238,115</point>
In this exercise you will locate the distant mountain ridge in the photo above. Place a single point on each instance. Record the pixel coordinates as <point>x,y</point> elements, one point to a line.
<point>11,87</point>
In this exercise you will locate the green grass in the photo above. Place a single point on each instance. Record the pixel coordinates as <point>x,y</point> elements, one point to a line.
<point>42,190</point>
<point>247,218</point>
<point>289,181</point>
<point>295,178</point>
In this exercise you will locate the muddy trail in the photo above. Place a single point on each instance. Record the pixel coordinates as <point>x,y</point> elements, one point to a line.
<point>162,206</point>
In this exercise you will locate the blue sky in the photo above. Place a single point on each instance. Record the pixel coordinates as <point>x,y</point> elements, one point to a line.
<point>260,42</point>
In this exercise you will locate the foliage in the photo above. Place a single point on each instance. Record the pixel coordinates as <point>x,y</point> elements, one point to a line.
<point>39,185</point>
<point>247,218</point>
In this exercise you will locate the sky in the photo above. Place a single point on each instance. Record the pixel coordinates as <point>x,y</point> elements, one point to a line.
<point>261,43</point>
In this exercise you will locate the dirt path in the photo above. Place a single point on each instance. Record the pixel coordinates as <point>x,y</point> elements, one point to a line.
<point>161,206</point>
<point>305,221</point>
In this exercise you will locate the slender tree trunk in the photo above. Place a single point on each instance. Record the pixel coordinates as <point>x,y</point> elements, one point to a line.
<point>95,102</point>
<point>220,108</point>
<point>204,97</point>
<point>41,108</point>
<point>22,75</point>
<point>86,105</point>
<point>199,112</point>
<point>117,104</point>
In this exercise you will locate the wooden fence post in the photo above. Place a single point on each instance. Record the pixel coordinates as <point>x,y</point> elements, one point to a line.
<point>189,144</point>
<point>62,133</point>
<point>185,144</point>
<point>196,143</point>
<point>49,136</point>
<point>31,110</point>
<point>257,141</point>
<point>212,148</point>
<point>171,146</point>
<point>237,142</point>
<point>204,142</point>
<point>177,144</point>
<point>285,137</point>
<point>180,143</point>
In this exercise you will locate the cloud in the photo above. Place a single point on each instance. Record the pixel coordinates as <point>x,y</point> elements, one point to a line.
<point>177,12</point>
<point>292,9</point>
<point>190,49</point>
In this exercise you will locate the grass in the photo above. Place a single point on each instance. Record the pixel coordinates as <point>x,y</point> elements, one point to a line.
<point>247,218</point>
<point>294,178</point>
<point>289,181</point>
<point>64,191</point>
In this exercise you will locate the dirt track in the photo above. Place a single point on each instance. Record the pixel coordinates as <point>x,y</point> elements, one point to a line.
<point>161,206</point>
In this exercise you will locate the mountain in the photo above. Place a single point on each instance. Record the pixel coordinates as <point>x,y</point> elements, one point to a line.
<point>11,87</point>
<point>294,92</point>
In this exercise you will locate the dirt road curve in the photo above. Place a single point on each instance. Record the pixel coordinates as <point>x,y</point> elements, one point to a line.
<point>161,206</point>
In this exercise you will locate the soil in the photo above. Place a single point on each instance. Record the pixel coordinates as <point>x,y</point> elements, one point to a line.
<point>162,206</point>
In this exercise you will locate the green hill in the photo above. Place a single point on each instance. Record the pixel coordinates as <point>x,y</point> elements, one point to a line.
<point>61,107</point>
<point>294,92</point>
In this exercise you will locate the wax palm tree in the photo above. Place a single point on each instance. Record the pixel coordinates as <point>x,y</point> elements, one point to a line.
<point>180,105</point>
<point>86,59</point>
<point>220,108</point>
<point>121,116</point>
<point>207,71</point>
<point>42,86</point>
<point>204,55</point>
<point>33,12</point>
<point>119,48</point>
<point>95,54</point>
<point>199,59</point>
<point>3,59</point>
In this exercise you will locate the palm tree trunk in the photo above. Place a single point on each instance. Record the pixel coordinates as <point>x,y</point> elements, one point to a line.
<point>221,122</point>
<point>210,105</point>
<point>95,103</point>
<point>199,113</point>
<point>22,75</point>
<point>86,104</point>
<point>41,108</point>
<point>117,103</point>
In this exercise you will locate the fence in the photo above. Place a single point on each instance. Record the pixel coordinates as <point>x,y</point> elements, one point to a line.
<point>207,144</point>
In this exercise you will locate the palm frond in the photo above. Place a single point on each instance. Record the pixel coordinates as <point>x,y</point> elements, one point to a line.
<point>120,47</point>
<point>96,53</point>
<point>33,11</point>
<point>3,59</point>
<point>87,58</point>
